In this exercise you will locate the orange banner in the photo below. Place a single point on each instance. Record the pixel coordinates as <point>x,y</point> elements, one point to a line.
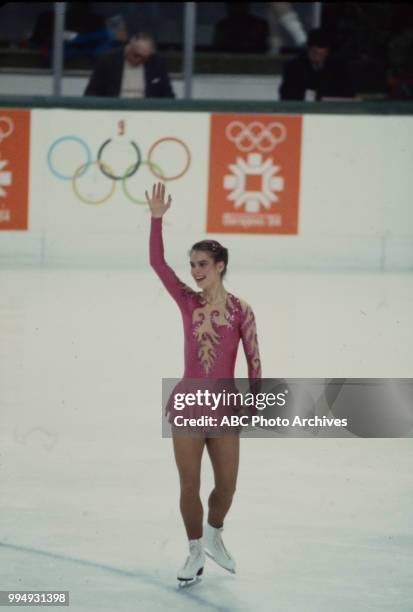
<point>254,174</point>
<point>14,168</point>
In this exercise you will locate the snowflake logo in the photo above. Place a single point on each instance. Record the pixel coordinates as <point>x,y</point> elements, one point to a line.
<point>244,171</point>
<point>5,178</point>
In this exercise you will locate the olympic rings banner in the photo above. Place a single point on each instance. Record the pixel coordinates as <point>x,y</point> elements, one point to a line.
<point>14,168</point>
<point>73,181</point>
<point>116,151</point>
<point>254,174</point>
<point>89,169</point>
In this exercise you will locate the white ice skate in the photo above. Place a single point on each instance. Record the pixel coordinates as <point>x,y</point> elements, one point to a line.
<point>191,571</point>
<point>214,548</point>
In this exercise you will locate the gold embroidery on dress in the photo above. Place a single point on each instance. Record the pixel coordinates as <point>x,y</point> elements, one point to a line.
<point>250,335</point>
<point>205,319</point>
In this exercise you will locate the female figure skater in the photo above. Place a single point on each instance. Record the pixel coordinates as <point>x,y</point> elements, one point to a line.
<point>214,321</point>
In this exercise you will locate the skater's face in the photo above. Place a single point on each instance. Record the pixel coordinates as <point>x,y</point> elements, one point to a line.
<point>205,272</point>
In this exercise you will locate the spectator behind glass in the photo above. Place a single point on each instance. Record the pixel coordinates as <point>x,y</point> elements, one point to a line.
<point>85,32</point>
<point>133,71</point>
<point>315,74</point>
<point>240,31</point>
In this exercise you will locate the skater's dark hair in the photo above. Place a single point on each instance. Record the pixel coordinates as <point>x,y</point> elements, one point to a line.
<point>215,249</point>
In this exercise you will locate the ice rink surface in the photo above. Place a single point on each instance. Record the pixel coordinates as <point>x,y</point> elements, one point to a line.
<point>89,488</point>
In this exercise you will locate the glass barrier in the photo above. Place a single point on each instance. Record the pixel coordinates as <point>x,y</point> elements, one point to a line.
<point>374,40</point>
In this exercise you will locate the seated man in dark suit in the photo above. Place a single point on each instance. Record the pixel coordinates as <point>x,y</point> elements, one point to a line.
<point>133,71</point>
<point>315,74</point>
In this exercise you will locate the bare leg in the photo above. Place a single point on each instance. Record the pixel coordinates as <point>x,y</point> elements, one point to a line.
<point>224,454</point>
<point>188,454</point>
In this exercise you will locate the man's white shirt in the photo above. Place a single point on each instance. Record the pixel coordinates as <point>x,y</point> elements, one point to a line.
<point>133,81</point>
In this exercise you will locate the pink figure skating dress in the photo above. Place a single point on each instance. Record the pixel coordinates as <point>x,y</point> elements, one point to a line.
<point>212,333</point>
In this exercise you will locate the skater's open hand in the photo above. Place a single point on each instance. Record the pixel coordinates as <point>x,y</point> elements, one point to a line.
<point>157,202</point>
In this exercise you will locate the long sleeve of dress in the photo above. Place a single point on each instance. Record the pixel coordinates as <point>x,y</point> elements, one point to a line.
<point>250,343</point>
<point>175,287</point>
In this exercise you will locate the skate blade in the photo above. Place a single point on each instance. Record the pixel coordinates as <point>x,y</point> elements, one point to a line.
<point>231,571</point>
<point>184,584</point>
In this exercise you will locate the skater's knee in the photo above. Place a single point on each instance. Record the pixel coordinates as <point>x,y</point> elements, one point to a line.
<point>190,488</point>
<point>225,491</point>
